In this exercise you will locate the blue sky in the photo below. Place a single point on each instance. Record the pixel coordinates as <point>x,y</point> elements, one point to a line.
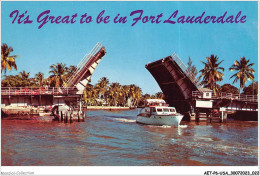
<point>129,48</point>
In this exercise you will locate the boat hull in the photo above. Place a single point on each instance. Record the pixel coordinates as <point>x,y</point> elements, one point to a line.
<point>160,120</point>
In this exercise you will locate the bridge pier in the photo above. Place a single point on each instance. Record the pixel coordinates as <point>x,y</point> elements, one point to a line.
<point>223,115</point>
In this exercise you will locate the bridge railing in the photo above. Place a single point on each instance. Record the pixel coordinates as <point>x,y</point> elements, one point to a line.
<point>185,69</point>
<point>81,65</point>
<point>228,96</point>
<point>38,91</point>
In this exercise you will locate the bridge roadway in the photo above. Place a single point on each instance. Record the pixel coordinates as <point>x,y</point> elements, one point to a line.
<point>229,101</point>
<point>183,91</point>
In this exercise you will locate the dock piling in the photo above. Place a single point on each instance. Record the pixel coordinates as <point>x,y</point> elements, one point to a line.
<point>58,115</point>
<point>66,115</point>
<point>197,117</point>
<point>71,119</point>
<point>71,115</point>
<point>61,116</point>
<point>66,119</point>
<point>83,116</point>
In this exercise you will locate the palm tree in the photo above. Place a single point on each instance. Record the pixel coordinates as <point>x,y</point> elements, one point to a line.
<point>159,95</point>
<point>39,78</point>
<point>114,93</point>
<point>135,93</point>
<point>7,61</point>
<point>46,81</point>
<point>103,82</point>
<point>146,96</point>
<point>71,70</point>
<point>102,87</point>
<point>191,68</point>
<point>24,74</point>
<point>58,76</point>
<point>24,80</point>
<point>143,99</point>
<point>125,89</point>
<point>211,73</point>
<point>90,95</point>
<point>245,72</point>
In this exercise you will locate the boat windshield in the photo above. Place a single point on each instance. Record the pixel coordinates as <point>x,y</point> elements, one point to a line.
<point>165,110</point>
<point>159,109</point>
<point>157,104</point>
<point>172,110</point>
<point>147,110</point>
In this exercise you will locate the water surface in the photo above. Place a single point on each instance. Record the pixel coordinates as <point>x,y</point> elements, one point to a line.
<point>113,138</point>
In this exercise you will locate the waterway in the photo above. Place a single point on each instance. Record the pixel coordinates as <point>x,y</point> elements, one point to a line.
<point>113,138</point>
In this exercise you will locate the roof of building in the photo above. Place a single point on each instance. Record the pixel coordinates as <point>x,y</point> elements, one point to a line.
<point>205,90</point>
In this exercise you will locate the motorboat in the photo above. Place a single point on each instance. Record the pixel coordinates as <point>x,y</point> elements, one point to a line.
<point>157,112</point>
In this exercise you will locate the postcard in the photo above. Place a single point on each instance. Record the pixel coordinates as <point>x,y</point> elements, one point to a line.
<point>131,84</point>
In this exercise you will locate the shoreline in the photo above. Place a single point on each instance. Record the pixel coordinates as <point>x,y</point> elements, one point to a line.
<point>28,111</point>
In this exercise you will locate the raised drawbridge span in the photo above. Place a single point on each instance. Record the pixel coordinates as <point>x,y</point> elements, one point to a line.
<point>175,80</point>
<point>84,70</point>
<point>183,90</point>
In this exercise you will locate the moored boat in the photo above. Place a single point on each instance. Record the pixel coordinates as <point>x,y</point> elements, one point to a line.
<point>157,112</point>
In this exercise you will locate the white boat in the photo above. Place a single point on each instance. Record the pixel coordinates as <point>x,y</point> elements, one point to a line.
<point>157,112</point>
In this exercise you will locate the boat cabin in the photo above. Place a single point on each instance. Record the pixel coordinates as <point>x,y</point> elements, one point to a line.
<point>158,110</point>
<point>157,107</point>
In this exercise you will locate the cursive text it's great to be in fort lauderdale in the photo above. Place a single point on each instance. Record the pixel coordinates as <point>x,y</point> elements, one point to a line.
<point>136,17</point>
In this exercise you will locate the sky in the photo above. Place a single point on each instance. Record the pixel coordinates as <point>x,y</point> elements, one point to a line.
<point>129,48</point>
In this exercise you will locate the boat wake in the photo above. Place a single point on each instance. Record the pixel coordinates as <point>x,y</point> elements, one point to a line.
<point>166,126</point>
<point>124,120</point>
<point>183,126</point>
<point>159,126</point>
